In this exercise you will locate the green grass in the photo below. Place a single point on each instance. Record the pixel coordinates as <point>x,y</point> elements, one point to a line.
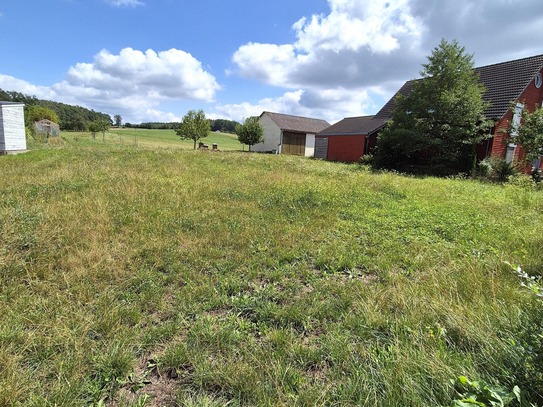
<point>146,138</point>
<point>207,279</point>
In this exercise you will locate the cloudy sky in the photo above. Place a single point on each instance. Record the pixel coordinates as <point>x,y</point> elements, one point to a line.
<point>153,60</point>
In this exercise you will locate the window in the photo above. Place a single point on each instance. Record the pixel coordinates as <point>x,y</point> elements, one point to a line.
<point>538,80</point>
<point>517,114</point>
<point>510,153</point>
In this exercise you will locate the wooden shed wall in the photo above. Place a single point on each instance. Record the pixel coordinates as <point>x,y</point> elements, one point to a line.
<point>12,128</point>
<point>346,148</point>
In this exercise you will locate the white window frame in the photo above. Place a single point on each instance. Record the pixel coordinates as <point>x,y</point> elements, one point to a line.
<point>510,153</point>
<point>517,115</point>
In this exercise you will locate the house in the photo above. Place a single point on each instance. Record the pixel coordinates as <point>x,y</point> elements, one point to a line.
<point>520,82</point>
<point>12,128</point>
<point>348,139</point>
<point>286,134</point>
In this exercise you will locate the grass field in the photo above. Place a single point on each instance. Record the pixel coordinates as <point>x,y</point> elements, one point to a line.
<point>147,138</point>
<point>164,276</point>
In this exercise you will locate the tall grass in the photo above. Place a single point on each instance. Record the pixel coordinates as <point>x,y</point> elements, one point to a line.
<point>207,279</point>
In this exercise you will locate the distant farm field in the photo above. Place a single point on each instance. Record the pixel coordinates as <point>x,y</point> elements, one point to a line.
<point>139,275</point>
<point>149,138</point>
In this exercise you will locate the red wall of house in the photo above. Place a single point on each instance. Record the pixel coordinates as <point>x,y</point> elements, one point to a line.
<point>531,97</point>
<point>346,148</point>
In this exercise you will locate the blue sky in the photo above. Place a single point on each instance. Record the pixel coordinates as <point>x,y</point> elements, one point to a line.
<point>153,60</point>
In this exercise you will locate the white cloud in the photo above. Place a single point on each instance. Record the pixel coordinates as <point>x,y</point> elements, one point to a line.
<point>370,47</point>
<point>327,104</point>
<point>123,3</point>
<point>132,83</point>
<point>166,74</point>
<point>13,84</point>
<point>335,50</point>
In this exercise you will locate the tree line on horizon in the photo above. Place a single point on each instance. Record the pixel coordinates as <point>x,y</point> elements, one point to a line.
<point>78,118</point>
<point>222,125</point>
<point>74,118</point>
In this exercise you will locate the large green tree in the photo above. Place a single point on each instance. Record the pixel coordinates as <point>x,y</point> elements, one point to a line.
<point>443,115</point>
<point>250,132</point>
<point>194,126</point>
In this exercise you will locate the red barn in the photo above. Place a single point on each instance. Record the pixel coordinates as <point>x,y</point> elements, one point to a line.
<point>348,139</point>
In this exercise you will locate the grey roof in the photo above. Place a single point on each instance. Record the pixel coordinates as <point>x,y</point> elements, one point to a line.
<point>386,111</point>
<point>11,103</point>
<point>354,126</point>
<point>296,123</point>
<point>504,83</point>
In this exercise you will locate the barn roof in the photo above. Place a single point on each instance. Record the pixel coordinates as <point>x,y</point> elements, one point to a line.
<point>354,126</point>
<point>297,123</point>
<point>11,103</point>
<point>504,83</point>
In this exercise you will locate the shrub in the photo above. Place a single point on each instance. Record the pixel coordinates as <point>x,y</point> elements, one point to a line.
<point>537,176</point>
<point>400,148</point>
<point>366,159</point>
<point>484,168</point>
<point>502,169</point>
<point>497,168</point>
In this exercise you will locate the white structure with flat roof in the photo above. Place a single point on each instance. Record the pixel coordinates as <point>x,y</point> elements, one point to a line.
<point>12,128</point>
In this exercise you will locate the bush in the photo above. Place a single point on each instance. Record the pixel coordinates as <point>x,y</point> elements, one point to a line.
<point>484,168</point>
<point>400,148</point>
<point>537,176</point>
<point>497,168</point>
<point>366,159</point>
<point>502,169</point>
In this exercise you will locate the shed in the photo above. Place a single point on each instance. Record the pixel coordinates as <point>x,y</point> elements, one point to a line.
<point>349,139</point>
<point>287,134</point>
<point>12,128</point>
<point>47,127</point>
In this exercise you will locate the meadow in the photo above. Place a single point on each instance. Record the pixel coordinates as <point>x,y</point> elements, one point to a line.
<point>150,276</point>
<point>157,139</point>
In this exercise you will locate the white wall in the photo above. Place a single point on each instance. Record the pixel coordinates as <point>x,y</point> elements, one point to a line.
<point>309,145</point>
<point>12,127</point>
<point>272,135</point>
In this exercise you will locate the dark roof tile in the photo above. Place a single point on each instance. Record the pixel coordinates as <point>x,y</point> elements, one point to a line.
<point>504,83</point>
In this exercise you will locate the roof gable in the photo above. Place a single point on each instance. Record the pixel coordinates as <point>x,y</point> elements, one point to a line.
<point>296,123</point>
<point>504,83</point>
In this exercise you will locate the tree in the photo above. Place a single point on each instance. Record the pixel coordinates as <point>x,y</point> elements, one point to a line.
<point>35,113</point>
<point>99,126</point>
<point>444,112</point>
<point>118,120</point>
<point>194,126</point>
<point>530,133</point>
<point>250,132</point>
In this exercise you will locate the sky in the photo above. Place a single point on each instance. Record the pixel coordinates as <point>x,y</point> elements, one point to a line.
<point>154,60</point>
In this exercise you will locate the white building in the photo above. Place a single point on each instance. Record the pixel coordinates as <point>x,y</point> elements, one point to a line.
<point>286,134</point>
<point>12,128</point>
